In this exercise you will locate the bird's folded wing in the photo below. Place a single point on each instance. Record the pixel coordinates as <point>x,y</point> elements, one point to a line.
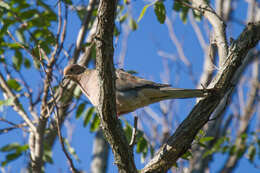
<point>127,81</point>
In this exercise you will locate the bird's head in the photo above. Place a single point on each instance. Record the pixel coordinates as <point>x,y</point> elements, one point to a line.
<point>72,71</point>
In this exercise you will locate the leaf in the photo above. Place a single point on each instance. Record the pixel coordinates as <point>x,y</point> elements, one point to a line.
<point>197,15</point>
<point>128,131</point>
<point>151,151</point>
<point>17,151</point>
<point>47,155</point>
<point>183,14</point>
<point>20,36</point>
<point>142,145</point>
<point>4,5</point>
<point>187,155</point>
<point>132,24</point>
<point>12,83</point>
<point>17,60</point>
<point>95,123</point>
<point>232,150</point>
<point>22,148</point>
<point>28,14</point>
<point>27,63</point>
<point>143,12</point>
<point>80,110</point>
<point>251,153</point>
<point>10,157</point>
<point>7,102</point>
<point>123,18</point>
<point>206,139</point>
<point>10,147</point>
<point>160,11</point>
<point>177,6</point>
<point>132,72</point>
<point>88,115</point>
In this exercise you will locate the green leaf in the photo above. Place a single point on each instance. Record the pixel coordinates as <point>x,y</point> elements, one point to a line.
<point>27,63</point>
<point>28,14</point>
<point>251,153</point>
<point>177,6</point>
<point>132,24</point>
<point>128,131</point>
<point>17,151</point>
<point>206,139</point>
<point>123,18</point>
<point>22,148</point>
<point>95,123</point>
<point>7,102</point>
<point>160,11</point>
<point>88,115</point>
<point>187,155</point>
<point>132,72</point>
<point>183,14</point>
<point>4,5</point>
<point>202,145</point>
<point>151,151</point>
<point>80,110</point>
<point>143,12</point>
<point>47,155</point>
<point>142,145</point>
<point>232,150</point>
<point>12,83</point>
<point>10,157</point>
<point>17,60</point>
<point>10,147</point>
<point>20,36</point>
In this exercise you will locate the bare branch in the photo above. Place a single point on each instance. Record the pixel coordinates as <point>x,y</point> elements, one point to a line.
<point>134,133</point>
<point>83,29</point>
<point>218,26</point>
<point>16,104</point>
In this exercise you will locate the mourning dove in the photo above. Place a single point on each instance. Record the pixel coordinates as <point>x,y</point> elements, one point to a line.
<point>131,92</point>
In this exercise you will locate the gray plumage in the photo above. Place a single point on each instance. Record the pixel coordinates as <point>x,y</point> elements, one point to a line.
<point>131,92</point>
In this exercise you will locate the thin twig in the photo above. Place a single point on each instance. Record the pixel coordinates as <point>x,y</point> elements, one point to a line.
<point>56,112</point>
<point>134,133</point>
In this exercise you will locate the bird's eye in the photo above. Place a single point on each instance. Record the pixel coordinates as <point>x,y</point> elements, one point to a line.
<point>71,70</point>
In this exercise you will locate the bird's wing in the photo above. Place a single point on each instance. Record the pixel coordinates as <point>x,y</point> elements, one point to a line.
<point>127,81</point>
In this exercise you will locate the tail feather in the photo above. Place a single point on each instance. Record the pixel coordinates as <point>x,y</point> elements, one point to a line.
<point>176,93</point>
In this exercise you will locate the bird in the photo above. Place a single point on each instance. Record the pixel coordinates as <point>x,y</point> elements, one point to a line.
<point>132,92</point>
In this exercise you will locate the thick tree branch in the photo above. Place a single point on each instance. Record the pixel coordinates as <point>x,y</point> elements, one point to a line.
<point>83,29</point>
<point>16,104</point>
<point>106,109</point>
<point>181,140</point>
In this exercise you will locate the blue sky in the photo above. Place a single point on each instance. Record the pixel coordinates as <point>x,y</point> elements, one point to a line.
<point>141,56</point>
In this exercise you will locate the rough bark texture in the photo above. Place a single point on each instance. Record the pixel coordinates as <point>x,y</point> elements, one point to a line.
<point>181,140</point>
<point>106,108</point>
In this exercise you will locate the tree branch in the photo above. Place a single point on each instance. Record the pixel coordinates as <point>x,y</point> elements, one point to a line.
<point>218,26</point>
<point>181,140</point>
<point>106,109</point>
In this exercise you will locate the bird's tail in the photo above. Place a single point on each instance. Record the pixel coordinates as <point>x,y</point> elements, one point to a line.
<point>177,93</point>
<point>166,93</point>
